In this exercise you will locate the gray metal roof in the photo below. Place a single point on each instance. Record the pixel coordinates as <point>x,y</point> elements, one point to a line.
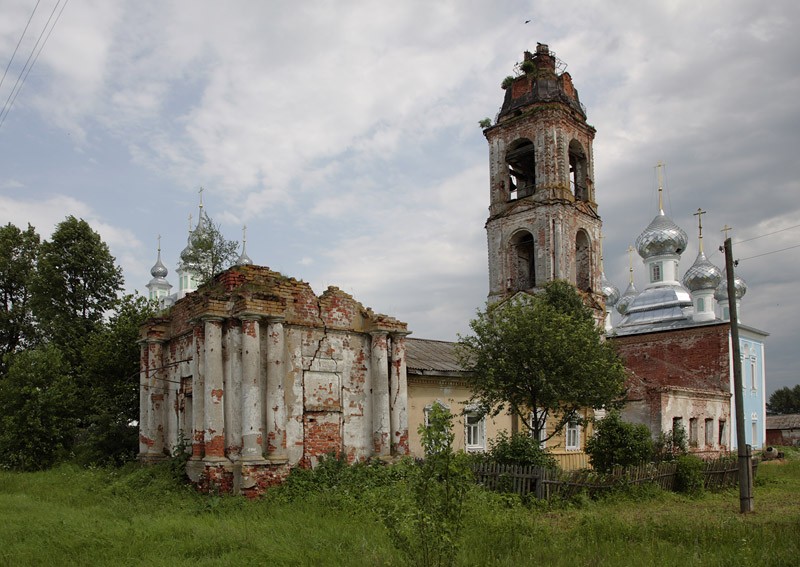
<point>658,326</point>
<point>424,356</point>
<point>789,421</point>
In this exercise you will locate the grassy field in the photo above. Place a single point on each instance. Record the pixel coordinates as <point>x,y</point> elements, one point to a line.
<point>72,516</point>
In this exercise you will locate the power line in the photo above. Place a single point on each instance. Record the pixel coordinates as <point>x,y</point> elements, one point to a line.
<point>18,43</point>
<point>768,253</point>
<point>26,69</point>
<point>768,234</point>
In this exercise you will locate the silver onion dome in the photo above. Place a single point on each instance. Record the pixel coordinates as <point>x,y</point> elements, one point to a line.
<point>159,270</point>
<point>702,275</point>
<point>186,251</point>
<point>662,236</point>
<point>626,299</point>
<point>243,260</point>
<point>721,293</point>
<point>609,290</point>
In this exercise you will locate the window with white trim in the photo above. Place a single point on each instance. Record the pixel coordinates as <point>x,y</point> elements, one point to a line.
<point>541,429</point>
<point>474,431</point>
<point>427,410</point>
<point>656,272</point>
<point>573,436</point>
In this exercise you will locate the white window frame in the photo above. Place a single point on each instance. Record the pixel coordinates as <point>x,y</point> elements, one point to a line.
<point>656,272</point>
<point>427,410</point>
<point>542,430</point>
<point>474,433</point>
<point>572,436</point>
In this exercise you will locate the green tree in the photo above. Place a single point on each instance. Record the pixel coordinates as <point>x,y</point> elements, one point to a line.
<point>110,377</point>
<point>438,487</point>
<point>77,284</point>
<point>784,400</point>
<point>519,449</point>
<point>18,254</point>
<point>618,443</point>
<point>541,355</point>
<point>208,253</point>
<point>39,400</point>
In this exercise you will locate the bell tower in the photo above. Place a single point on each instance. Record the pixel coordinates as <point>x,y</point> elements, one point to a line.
<point>543,222</point>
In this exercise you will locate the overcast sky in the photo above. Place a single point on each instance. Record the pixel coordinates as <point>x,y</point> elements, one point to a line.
<point>345,136</point>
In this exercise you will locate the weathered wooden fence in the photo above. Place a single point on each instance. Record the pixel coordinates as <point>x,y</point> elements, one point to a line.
<point>546,483</point>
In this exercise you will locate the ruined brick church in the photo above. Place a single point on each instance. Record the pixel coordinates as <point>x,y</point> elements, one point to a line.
<point>255,373</point>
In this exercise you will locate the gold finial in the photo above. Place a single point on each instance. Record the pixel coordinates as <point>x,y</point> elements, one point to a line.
<point>725,229</point>
<point>699,214</point>
<point>201,197</point>
<point>660,173</point>
<point>631,250</point>
<point>601,250</point>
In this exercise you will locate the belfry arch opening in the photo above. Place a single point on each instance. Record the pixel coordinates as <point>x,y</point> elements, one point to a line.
<point>523,263</point>
<point>583,261</point>
<point>578,171</point>
<point>521,163</point>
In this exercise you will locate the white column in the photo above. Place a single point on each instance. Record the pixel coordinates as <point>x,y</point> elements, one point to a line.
<point>198,393</point>
<point>398,395</point>
<point>276,401</point>
<point>214,431</point>
<point>144,402</point>
<point>157,386</point>
<point>252,428</point>
<point>381,423</point>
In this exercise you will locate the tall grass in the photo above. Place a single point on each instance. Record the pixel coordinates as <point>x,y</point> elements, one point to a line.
<point>136,516</point>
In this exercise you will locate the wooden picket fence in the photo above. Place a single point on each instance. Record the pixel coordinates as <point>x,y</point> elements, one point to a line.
<point>546,483</point>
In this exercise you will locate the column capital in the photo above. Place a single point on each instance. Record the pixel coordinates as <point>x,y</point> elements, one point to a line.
<point>274,318</point>
<point>399,334</point>
<point>378,333</point>
<point>248,316</point>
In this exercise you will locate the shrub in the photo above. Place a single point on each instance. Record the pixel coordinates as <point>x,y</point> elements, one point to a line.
<point>618,443</point>
<point>527,66</point>
<point>672,445</point>
<point>689,475</point>
<point>426,527</point>
<point>519,449</point>
<point>507,82</point>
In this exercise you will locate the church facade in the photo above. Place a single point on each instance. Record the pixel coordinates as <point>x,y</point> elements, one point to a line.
<point>256,374</point>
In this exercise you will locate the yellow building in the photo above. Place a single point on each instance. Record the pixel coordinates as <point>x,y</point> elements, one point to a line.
<point>435,376</point>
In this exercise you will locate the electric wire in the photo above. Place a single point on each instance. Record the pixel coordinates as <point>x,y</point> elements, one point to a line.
<point>19,43</point>
<point>23,76</point>
<point>768,253</point>
<point>767,234</point>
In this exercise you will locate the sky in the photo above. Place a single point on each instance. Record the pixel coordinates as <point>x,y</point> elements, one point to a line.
<point>345,136</point>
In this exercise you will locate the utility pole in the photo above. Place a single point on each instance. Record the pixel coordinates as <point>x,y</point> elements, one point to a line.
<point>744,450</point>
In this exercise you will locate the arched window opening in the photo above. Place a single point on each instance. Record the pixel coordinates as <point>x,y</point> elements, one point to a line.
<point>583,261</point>
<point>521,163</point>
<point>523,273</point>
<point>578,171</point>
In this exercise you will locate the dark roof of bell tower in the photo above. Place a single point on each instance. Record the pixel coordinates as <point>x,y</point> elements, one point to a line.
<point>540,81</point>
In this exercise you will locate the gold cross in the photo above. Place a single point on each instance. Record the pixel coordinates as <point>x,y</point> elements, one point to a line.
<point>725,229</point>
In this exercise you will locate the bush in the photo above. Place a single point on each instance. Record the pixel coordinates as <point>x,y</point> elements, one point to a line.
<point>671,445</point>
<point>618,443</point>
<point>519,449</point>
<point>689,475</point>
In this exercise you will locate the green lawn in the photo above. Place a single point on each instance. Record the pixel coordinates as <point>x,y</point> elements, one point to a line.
<point>72,516</point>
